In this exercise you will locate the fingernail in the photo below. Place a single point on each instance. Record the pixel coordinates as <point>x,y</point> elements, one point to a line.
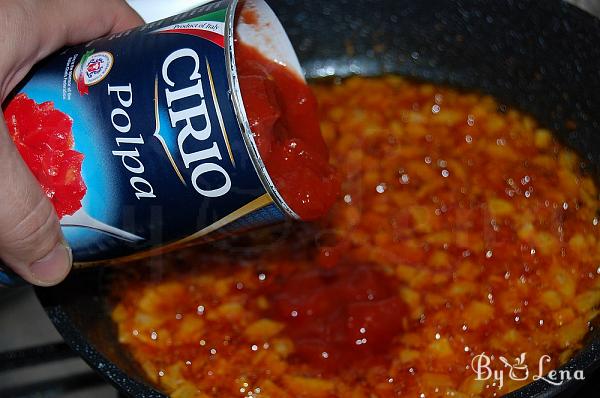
<point>54,267</point>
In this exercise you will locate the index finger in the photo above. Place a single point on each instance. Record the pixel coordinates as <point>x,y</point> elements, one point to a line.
<point>33,29</point>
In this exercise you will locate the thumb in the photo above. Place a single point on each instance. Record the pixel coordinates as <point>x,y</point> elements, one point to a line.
<point>31,241</point>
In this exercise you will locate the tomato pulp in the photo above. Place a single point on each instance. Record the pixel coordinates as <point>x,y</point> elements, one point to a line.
<point>337,316</point>
<point>283,117</point>
<point>44,139</point>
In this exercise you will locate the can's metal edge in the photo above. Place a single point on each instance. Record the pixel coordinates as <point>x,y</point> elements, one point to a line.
<point>240,112</point>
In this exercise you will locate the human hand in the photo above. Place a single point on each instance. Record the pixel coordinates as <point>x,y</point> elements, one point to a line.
<point>31,241</point>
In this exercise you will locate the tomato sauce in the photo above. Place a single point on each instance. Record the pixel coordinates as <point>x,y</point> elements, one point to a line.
<point>44,139</point>
<point>283,117</point>
<point>340,316</point>
<point>463,228</point>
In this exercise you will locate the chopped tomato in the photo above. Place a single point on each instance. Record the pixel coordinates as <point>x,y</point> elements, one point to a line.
<point>43,137</point>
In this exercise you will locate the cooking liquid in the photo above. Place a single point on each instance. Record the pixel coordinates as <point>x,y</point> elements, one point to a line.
<point>463,228</point>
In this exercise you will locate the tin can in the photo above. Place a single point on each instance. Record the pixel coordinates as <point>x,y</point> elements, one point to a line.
<point>161,151</point>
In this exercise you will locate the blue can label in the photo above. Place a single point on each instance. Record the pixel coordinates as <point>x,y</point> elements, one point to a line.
<point>164,158</point>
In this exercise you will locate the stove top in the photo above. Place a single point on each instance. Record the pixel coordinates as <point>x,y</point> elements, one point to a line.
<point>34,361</point>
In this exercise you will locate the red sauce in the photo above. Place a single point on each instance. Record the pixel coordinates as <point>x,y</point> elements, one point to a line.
<point>462,230</point>
<point>249,16</point>
<point>339,316</point>
<point>283,116</point>
<point>44,139</point>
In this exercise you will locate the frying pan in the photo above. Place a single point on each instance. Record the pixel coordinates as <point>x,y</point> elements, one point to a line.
<point>540,56</point>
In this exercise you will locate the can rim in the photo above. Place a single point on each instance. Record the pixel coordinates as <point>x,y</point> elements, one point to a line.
<point>240,112</point>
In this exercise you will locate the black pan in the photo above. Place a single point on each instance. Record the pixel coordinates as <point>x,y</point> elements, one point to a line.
<point>540,56</point>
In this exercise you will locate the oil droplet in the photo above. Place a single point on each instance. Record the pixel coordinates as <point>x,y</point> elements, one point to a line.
<point>380,188</point>
<point>470,121</point>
